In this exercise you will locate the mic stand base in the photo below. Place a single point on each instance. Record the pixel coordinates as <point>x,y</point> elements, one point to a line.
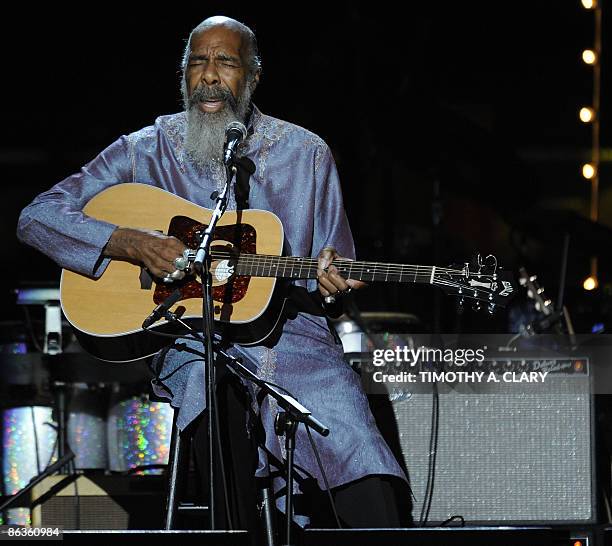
<point>285,424</point>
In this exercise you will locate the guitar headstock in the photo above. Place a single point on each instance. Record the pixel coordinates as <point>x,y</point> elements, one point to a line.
<point>536,293</point>
<point>482,281</point>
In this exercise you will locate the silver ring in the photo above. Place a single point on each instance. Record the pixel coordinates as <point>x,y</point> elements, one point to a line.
<point>181,263</point>
<point>168,279</point>
<point>177,274</point>
<point>330,299</point>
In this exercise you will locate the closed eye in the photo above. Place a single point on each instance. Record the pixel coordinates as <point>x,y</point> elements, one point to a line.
<point>224,60</point>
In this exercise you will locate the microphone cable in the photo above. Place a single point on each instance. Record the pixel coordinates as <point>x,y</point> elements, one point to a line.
<point>433,451</point>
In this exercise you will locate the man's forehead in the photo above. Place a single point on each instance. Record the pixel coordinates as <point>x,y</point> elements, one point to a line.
<point>217,36</point>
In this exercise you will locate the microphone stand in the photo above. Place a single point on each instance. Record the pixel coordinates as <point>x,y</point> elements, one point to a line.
<point>286,422</point>
<point>202,264</point>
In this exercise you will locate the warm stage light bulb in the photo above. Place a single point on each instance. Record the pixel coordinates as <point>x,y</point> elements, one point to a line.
<point>589,56</point>
<point>590,283</point>
<point>589,4</point>
<point>586,114</point>
<point>588,171</point>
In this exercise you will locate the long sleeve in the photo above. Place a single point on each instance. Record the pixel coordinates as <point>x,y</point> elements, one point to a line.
<point>55,224</point>
<point>331,227</point>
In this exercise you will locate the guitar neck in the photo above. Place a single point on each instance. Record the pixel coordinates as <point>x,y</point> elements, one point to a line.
<point>256,265</point>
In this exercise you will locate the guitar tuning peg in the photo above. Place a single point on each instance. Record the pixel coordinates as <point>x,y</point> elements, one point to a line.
<point>491,308</point>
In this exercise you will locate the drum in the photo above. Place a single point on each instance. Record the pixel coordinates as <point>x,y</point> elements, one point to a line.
<point>28,447</point>
<point>86,426</point>
<point>138,433</point>
<point>28,431</point>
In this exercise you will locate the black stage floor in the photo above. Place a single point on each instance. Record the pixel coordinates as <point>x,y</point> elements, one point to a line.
<point>466,536</point>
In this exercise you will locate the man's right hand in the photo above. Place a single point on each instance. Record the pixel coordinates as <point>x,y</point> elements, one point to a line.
<point>152,249</point>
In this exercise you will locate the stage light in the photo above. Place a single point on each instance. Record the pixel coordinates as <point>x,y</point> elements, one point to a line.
<point>590,283</point>
<point>587,114</point>
<point>588,171</point>
<point>589,56</point>
<point>589,4</point>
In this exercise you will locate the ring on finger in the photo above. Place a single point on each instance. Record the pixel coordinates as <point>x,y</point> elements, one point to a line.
<point>177,274</point>
<point>181,263</point>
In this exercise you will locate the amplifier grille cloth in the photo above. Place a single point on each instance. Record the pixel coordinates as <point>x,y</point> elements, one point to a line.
<point>503,453</point>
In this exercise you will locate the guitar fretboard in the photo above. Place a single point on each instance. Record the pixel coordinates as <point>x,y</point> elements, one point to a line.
<point>289,267</point>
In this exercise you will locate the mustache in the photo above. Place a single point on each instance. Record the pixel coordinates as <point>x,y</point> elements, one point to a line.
<point>202,93</point>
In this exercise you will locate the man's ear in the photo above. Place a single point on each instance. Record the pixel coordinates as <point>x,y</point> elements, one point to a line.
<point>254,81</point>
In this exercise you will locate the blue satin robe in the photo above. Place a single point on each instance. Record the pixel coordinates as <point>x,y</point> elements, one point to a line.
<point>295,178</point>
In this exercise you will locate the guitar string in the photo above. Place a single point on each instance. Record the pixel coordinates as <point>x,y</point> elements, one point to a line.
<point>481,293</point>
<point>230,271</point>
<point>260,261</point>
<point>411,276</point>
<point>313,262</point>
<point>265,261</point>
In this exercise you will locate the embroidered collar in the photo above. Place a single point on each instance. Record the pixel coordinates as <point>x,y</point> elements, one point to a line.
<point>258,126</point>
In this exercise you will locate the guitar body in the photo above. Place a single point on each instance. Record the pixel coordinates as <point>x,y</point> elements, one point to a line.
<point>108,312</point>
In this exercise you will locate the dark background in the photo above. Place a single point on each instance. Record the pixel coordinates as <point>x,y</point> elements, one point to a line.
<point>480,98</point>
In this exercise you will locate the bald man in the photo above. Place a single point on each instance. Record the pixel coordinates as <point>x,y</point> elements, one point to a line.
<point>294,177</point>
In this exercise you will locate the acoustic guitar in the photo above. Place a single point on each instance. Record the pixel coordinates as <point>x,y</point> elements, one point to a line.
<point>248,274</point>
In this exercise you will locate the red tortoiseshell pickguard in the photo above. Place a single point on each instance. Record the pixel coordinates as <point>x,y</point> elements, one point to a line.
<point>243,237</point>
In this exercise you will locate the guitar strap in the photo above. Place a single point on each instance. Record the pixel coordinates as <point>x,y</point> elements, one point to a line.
<point>244,169</point>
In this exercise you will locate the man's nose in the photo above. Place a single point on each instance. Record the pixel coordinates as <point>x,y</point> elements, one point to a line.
<point>210,76</point>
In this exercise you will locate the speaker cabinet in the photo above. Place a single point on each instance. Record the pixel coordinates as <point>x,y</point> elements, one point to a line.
<point>505,453</point>
<point>100,502</point>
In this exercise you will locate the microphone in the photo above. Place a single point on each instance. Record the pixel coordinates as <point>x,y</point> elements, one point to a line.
<point>161,309</point>
<point>235,133</point>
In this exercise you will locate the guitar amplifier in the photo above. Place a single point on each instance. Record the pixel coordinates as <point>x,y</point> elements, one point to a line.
<point>100,502</point>
<point>518,454</point>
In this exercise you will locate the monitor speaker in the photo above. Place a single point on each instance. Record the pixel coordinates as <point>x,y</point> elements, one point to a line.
<point>100,502</point>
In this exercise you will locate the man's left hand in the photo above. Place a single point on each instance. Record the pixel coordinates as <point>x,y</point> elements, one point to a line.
<point>331,283</point>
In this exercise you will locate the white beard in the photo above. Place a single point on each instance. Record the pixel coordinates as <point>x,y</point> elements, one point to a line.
<point>205,134</point>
